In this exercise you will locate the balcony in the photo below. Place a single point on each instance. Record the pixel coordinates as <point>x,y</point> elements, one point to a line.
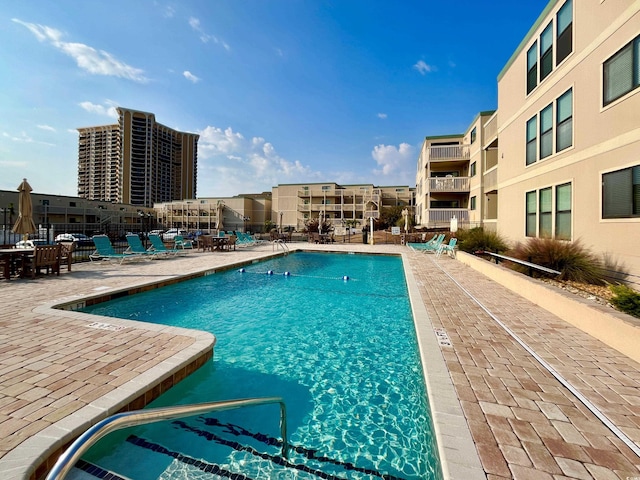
<point>443,216</point>
<point>449,184</point>
<point>445,153</point>
<point>491,132</point>
<point>490,180</point>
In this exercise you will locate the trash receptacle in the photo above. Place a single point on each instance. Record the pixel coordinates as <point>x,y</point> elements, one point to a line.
<point>365,236</point>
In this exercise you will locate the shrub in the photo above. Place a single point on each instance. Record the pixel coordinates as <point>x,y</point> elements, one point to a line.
<point>575,262</point>
<point>476,239</point>
<point>626,300</point>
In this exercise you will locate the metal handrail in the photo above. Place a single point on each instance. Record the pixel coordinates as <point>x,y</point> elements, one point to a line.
<point>142,417</point>
<point>280,243</point>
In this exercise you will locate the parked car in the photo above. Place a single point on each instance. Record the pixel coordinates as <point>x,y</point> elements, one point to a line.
<point>156,232</point>
<point>30,243</point>
<point>79,238</point>
<point>170,234</point>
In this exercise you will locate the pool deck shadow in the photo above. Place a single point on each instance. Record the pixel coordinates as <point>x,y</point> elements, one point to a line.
<point>498,412</point>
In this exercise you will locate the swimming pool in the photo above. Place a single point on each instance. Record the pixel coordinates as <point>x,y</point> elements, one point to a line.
<point>342,353</point>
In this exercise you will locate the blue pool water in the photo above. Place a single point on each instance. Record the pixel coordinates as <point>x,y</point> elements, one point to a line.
<point>342,354</point>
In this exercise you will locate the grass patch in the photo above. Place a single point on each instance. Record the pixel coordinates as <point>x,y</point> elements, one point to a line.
<point>626,299</point>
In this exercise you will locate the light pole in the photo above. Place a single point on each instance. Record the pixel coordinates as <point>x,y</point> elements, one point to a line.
<point>281,213</point>
<point>244,221</point>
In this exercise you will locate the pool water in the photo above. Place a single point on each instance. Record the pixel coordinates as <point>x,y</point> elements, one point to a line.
<point>334,337</point>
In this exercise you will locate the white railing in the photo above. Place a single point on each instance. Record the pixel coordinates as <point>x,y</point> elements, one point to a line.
<point>491,128</point>
<point>441,216</point>
<point>449,152</point>
<point>490,180</point>
<point>449,184</point>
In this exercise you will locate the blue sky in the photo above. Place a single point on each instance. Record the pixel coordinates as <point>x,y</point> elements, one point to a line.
<point>280,91</point>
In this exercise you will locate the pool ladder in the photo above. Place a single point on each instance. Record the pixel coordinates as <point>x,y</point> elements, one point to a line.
<point>277,244</point>
<point>142,417</point>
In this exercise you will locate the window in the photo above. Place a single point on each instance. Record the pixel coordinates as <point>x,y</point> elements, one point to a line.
<point>532,67</point>
<point>531,141</point>
<point>531,214</point>
<point>546,212</point>
<point>546,131</point>
<point>564,28</point>
<point>473,135</point>
<point>563,212</point>
<point>472,203</point>
<point>546,51</point>
<point>622,72</point>
<point>621,193</point>
<point>472,170</point>
<point>564,119</point>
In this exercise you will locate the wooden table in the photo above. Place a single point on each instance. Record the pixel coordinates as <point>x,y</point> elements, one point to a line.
<point>10,257</point>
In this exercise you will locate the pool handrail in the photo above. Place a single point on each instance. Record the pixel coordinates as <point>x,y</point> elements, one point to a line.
<point>68,459</point>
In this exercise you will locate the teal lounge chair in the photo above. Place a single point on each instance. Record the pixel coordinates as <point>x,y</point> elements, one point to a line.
<point>136,246</point>
<point>430,246</point>
<point>104,251</point>
<point>449,248</point>
<point>158,246</point>
<point>181,242</point>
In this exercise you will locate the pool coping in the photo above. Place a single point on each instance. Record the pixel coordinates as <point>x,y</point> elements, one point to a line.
<point>457,452</point>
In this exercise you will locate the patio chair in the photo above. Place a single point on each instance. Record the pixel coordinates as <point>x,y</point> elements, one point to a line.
<point>449,248</point>
<point>429,247</point>
<point>181,242</point>
<point>136,246</point>
<point>104,251</point>
<point>158,246</point>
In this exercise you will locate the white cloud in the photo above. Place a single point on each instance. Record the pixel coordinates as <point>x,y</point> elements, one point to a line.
<point>205,37</point>
<point>393,160</point>
<point>109,109</point>
<point>168,12</point>
<point>423,67</point>
<point>23,137</point>
<point>96,62</point>
<point>190,76</point>
<point>229,163</point>
<point>46,127</point>
<point>382,115</point>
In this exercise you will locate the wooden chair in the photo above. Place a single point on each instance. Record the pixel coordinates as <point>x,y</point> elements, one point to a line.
<point>46,256</point>
<point>66,253</point>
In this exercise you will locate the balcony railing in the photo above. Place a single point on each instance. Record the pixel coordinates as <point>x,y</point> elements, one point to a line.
<point>449,184</point>
<point>449,152</point>
<point>491,129</point>
<point>442,216</point>
<point>490,180</point>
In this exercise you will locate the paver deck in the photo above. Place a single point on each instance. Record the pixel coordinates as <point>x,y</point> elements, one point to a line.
<point>56,373</point>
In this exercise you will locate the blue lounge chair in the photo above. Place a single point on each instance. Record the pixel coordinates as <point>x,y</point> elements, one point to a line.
<point>104,251</point>
<point>158,246</point>
<point>136,246</point>
<point>429,247</point>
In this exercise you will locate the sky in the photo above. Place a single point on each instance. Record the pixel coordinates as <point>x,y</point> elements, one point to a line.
<point>280,91</point>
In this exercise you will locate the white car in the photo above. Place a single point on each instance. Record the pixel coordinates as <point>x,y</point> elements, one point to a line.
<point>79,238</point>
<point>171,234</point>
<point>30,243</point>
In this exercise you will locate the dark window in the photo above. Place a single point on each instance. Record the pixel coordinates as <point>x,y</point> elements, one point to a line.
<point>564,121</point>
<point>472,203</point>
<point>564,27</point>
<point>444,204</point>
<point>622,72</point>
<point>531,214</point>
<point>563,212</point>
<point>473,135</point>
<point>546,213</point>
<point>546,132</point>
<point>532,67</point>
<point>531,141</point>
<point>621,193</point>
<point>546,51</point>
<point>472,173</point>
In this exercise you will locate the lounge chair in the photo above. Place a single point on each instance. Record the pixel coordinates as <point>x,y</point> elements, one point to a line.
<point>181,242</point>
<point>136,246</point>
<point>104,251</point>
<point>449,248</point>
<point>429,247</point>
<point>158,246</point>
<point>244,240</point>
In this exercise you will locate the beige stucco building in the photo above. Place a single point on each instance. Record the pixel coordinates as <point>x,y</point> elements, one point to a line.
<point>137,161</point>
<point>561,155</point>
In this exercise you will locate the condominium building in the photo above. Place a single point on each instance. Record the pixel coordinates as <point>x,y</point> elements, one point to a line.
<point>339,205</point>
<point>136,161</point>
<point>561,155</point>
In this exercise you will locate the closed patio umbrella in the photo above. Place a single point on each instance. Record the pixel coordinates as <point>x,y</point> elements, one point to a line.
<point>24,224</point>
<point>220,215</point>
